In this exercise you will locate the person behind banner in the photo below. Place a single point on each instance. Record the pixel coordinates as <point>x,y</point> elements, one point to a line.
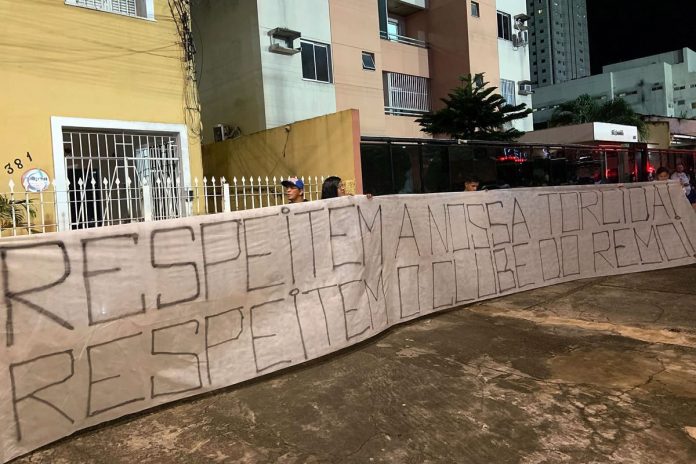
<point>333,187</point>
<point>662,173</point>
<point>294,190</point>
<point>471,184</point>
<point>682,177</point>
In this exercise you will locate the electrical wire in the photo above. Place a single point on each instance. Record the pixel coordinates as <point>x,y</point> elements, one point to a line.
<point>181,14</point>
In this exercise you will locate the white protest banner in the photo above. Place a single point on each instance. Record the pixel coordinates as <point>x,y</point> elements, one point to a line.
<point>106,322</point>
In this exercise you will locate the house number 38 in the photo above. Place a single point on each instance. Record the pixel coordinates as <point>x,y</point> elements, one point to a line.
<point>16,163</point>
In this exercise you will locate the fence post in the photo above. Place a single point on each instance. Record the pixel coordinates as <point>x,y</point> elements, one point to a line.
<point>147,203</point>
<point>226,206</point>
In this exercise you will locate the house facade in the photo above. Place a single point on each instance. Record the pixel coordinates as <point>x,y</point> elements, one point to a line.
<point>102,104</point>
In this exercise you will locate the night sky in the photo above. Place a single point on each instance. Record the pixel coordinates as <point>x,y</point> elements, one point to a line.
<point>626,29</point>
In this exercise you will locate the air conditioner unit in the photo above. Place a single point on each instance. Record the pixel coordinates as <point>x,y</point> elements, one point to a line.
<point>525,89</point>
<point>520,21</point>
<point>524,36</point>
<point>522,17</point>
<point>521,27</point>
<point>224,131</point>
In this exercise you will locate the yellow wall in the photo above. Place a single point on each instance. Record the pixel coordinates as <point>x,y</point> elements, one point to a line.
<point>323,146</point>
<point>658,134</point>
<point>62,60</point>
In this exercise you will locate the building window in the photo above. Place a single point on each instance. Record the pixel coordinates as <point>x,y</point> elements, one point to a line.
<point>368,61</point>
<point>507,90</point>
<point>395,28</point>
<point>104,168</point>
<point>504,26</point>
<point>316,61</point>
<point>134,8</point>
<point>475,11</point>
<point>405,95</point>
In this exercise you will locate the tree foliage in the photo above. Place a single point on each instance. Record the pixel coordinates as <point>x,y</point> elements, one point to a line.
<point>587,109</point>
<point>474,111</point>
<point>14,213</point>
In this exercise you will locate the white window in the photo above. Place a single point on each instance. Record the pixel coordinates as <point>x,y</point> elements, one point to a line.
<point>135,8</point>
<point>405,94</point>
<point>475,9</point>
<point>316,61</point>
<point>507,90</point>
<point>368,61</point>
<point>504,26</point>
<point>395,28</point>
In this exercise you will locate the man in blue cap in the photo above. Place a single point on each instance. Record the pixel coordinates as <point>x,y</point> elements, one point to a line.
<point>294,189</point>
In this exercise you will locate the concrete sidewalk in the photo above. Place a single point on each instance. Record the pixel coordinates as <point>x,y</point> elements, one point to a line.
<point>595,371</point>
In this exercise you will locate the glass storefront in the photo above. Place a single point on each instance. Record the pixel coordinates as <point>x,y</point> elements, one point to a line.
<point>425,166</point>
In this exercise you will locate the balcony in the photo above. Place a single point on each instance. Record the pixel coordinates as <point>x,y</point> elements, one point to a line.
<point>405,7</point>
<point>395,24</point>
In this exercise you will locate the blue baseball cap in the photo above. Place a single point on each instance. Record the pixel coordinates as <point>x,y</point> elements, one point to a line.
<point>293,182</point>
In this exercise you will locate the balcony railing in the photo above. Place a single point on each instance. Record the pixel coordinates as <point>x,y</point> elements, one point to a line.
<point>403,39</point>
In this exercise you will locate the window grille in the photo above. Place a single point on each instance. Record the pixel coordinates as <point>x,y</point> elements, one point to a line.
<point>405,94</point>
<point>106,171</point>
<point>124,7</point>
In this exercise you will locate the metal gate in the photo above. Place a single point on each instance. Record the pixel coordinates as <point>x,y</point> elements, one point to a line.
<point>117,177</point>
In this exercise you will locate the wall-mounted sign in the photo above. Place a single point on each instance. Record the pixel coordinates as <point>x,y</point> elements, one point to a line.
<point>35,180</point>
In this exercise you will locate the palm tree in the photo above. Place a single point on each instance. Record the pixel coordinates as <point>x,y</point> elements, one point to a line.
<point>587,109</point>
<point>474,111</point>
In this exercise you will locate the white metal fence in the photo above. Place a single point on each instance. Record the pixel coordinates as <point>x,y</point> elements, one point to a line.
<point>88,206</point>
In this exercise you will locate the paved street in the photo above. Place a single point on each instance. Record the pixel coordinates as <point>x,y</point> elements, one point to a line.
<point>596,371</point>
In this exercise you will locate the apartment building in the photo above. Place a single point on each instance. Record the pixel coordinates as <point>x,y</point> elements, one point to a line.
<point>267,63</point>
<point>659,85</point>
<point>99,102</point>
<point>513,57</point>
<point>558,41</point>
